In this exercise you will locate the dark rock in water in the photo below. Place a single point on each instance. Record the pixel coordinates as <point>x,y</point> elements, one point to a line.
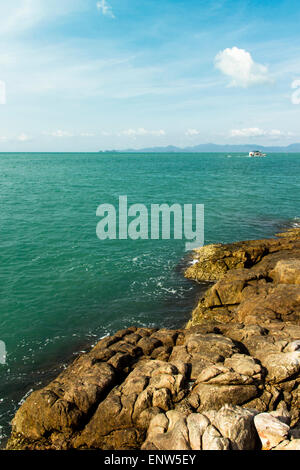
<point>215,385</point>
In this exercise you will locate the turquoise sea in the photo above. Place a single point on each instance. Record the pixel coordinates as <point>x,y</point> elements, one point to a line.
<point>62,288</point>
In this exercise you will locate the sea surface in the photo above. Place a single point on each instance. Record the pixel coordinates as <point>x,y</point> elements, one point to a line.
<point>62,289</point>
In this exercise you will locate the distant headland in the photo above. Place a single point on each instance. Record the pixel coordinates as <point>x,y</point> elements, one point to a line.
<point>211,148</point>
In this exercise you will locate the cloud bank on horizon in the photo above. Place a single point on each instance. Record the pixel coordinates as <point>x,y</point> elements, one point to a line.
<point>257,132</point>
<point>90,75</point>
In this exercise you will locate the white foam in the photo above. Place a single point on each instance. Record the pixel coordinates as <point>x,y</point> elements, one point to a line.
<point>296,223</point>
<point>25,397</point>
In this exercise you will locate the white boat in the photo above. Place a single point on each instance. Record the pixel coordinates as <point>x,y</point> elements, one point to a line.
<point>257,153</point>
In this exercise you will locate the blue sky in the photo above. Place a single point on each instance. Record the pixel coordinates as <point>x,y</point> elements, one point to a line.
<point>84,75</point>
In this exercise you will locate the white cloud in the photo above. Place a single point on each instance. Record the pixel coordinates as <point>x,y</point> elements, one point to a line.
<point>142,131</point>
<point>59,133</point>
<point>276,133</point>
<point>23,137</point>
<point>295,84</point>
<point>238,65</point>
<point>295,98</point>
<point>192,132</point>
<point>249,132</point>
<point>2,92</point>
<point>105,8</point>
<point>257,132</point>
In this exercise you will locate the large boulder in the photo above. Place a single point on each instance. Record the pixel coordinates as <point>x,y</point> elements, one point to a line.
<point>257,281</point>
<point>271,430</point>
<point>230,428</point>
<point>151,387</point>
<point>237,425</point>
<point>286,272</point>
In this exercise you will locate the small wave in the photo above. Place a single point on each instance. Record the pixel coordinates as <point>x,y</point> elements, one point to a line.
<point>296,222</point>
<point>169,290</point>
<point>23,399</point>
<point>289,224</point>
<point>194,261</point>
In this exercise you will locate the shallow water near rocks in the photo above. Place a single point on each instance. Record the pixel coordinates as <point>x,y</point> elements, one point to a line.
<point>62,288</point>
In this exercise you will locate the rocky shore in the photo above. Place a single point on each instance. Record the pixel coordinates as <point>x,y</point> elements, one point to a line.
<point>229,380</point>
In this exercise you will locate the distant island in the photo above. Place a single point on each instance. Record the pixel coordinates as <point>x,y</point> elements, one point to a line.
<point>213,148</point>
